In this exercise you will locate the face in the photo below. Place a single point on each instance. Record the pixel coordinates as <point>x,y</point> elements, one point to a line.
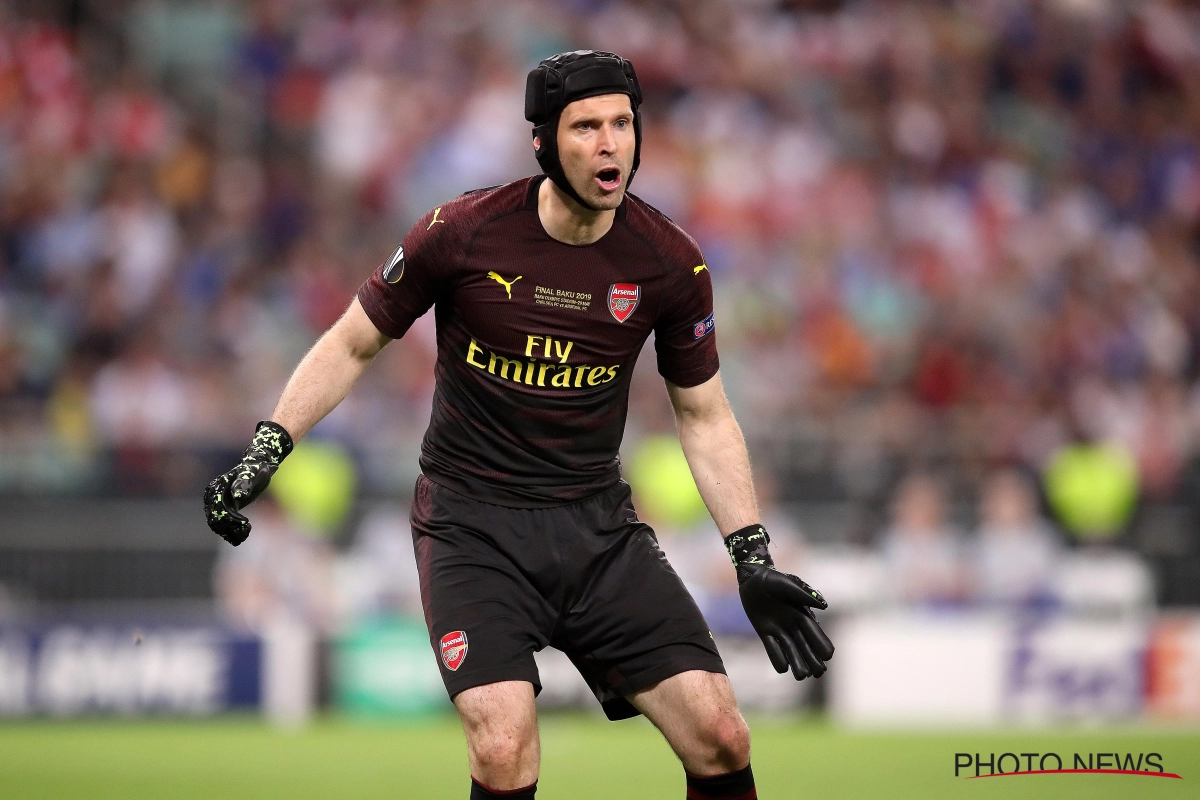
<point>1008,501</point>
<point>596,143</point>
<point>920,506</point>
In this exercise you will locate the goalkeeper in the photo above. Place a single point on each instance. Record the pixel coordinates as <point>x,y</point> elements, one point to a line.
<point>544,291</point>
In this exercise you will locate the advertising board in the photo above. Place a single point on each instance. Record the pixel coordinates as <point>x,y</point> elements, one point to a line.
<point>69,669</point>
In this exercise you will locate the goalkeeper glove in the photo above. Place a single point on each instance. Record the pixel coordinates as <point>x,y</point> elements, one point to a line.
<point>779,606</point>
<point>227,494</point>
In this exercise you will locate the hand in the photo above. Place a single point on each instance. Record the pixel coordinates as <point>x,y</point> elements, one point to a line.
<point>779,607</point>
<point>227,494</point>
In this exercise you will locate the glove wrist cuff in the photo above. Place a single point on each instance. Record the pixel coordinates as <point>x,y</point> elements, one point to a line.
<point>272,440</point>
<point>748,545</point>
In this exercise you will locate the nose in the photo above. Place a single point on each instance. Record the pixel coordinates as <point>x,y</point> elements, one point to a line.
<point>607,141</point>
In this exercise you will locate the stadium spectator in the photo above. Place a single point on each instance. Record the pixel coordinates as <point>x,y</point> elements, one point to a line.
<point>284,574</point>
<point>924,557</point>
<point>1016,551</point>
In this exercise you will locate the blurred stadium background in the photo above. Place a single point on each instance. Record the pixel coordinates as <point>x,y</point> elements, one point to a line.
<point>956,248</point>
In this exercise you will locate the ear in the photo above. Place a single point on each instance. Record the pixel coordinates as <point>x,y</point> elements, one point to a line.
<point>537,143</point>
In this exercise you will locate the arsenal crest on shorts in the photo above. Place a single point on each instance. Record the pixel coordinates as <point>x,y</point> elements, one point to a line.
<point>454,649</point>
<point>623,299</point>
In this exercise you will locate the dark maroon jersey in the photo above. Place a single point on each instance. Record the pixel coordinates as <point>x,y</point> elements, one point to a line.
<point>537,339</point>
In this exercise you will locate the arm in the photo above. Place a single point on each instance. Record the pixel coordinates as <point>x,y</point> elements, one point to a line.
<point>333,365</point>
<point>323,377</point>
<point>777,604</point>
<point>327,372</point>
<point>716,452</point>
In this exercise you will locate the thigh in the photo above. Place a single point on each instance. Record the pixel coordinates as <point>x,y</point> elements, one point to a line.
<point>500,723</point>
<point>698,715</point>
<point>631,622</point>
<point>485,618</point>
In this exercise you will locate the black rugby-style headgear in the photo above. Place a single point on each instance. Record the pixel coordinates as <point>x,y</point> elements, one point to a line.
<point>568,77</point>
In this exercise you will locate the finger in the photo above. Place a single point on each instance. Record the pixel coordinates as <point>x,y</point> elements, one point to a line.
<point>222,515</point>
<point>815,665</point>
<point>242,486</point>
<point>216,501</point>
<point>794,592</point>
<point>816,638</point>
<point>250,481</point>
<point>210,496</point>
<point>232,527</point>
<point>800,669</point>
<point>775,653</point>
<point>237,531</point>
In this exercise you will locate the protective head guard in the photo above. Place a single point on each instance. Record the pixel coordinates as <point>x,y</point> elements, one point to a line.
<point>565,78</point>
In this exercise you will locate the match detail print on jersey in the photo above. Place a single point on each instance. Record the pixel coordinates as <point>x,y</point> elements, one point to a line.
<point>454,649</point>
<point>394,270</point>
<point>562,298</point>
<point>623,300</point>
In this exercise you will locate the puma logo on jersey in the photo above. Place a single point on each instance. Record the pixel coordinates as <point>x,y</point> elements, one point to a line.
<point>696,270</point>
<point>436,211</point>
<point>506,284</point>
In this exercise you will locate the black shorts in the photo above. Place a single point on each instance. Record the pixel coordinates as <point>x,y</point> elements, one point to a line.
<point>498,584</point>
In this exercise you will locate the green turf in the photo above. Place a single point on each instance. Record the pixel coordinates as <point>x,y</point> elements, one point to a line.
<point>583,758</point>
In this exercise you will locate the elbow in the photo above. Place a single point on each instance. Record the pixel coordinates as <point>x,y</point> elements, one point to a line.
<point>357,345</point>
<point>357,336</point>
<point>687,419</point>
<point>696,425</point>
<point>364,353</point>
<point>708,415</point>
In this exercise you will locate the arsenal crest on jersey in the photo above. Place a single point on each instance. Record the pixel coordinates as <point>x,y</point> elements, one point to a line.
<point>454,649</point>
<point>623,299</point>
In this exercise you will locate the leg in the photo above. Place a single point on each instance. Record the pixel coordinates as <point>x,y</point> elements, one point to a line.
<point>485,618</point>
<point>641,643</point>
<point>699,717</point>
<point>500,721</point>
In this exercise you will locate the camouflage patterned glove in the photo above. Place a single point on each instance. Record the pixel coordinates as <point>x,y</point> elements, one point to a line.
<point>227,494</point>
<point>779,606</point>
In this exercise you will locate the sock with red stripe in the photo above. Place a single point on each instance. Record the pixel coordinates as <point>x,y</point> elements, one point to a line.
<point>730,786</point>
<point>481,792</point>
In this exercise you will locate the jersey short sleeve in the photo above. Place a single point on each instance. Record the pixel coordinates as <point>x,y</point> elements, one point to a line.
<point>685,338</point>
<point>405,286</point>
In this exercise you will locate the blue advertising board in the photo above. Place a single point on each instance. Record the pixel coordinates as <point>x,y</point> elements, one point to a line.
<point>69,669</point>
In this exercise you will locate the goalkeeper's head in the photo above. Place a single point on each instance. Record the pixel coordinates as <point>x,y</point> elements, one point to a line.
<point>587,132</point>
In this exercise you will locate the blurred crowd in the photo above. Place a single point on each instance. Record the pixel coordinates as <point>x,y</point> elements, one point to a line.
<point>1012,560</point>
<point>946,237</point>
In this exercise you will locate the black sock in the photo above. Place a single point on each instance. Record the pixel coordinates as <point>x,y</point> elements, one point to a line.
<point>730,786</point>
<point>481,792</point>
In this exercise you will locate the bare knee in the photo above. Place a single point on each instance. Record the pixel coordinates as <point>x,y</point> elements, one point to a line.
<point>502,756</point>
<point>698,714</point>
<point>727,740</point>
<point>500,722</point>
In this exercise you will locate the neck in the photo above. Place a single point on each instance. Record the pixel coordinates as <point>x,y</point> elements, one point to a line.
<point>566,220</point>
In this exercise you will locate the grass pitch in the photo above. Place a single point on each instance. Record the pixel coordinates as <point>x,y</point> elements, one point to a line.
<point>583,758</point>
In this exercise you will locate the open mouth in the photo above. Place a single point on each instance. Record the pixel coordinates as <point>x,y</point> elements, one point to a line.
<point>609,178</point>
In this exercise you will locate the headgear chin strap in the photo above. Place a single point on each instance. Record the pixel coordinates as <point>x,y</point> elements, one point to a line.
<point>565,78</point>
